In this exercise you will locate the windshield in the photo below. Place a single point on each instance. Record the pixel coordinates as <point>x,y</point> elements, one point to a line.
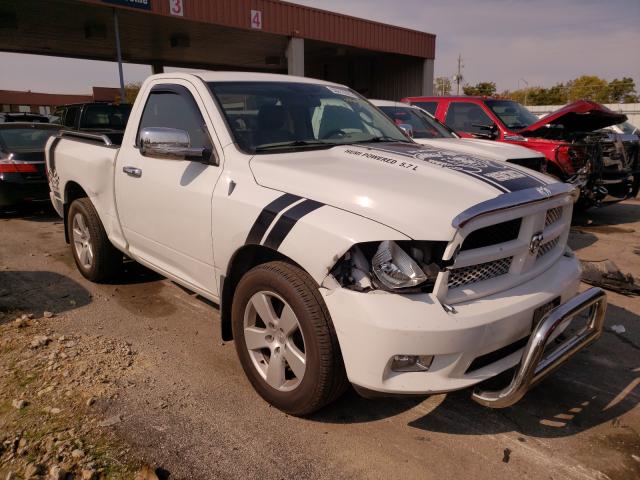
<point>112,117</point>
<point>628,128</point>
<point>25,139</point>
<point>422,125</point>
<point>512,114</point>
<point>265,117</point>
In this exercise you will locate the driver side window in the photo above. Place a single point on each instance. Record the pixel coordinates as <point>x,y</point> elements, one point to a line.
<point>173,106</point>
<point>466,117</point>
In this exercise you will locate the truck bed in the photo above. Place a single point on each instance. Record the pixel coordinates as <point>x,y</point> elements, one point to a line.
<point>76,158</point>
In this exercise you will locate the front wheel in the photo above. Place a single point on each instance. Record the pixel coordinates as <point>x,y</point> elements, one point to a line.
<point>96,258</point>
<point>285,339</point>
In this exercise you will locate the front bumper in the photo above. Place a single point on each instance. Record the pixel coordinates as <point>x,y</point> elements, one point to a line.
<point>535,363</point>
<point>373,327</point>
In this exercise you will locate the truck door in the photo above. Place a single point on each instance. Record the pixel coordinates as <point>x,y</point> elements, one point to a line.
<point>164,205</point>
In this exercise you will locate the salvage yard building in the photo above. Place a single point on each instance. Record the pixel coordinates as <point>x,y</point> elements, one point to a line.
<point>376,59</point>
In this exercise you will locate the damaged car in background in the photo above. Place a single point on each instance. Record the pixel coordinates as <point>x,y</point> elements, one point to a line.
<point>570,138</point>
<point>424,129</point>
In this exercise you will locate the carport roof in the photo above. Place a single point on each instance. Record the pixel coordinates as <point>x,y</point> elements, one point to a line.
<point>84,29</point>
<point>283,18</point>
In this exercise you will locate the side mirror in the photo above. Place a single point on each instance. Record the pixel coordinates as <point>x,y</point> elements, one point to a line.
<point>170,143</point>
<point>491,131</point>
<point>407,129</point>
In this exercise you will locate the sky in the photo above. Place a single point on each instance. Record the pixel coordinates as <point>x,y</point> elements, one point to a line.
<point>509,42</point>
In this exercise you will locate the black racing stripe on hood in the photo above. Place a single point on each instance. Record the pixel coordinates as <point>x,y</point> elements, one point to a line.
<point>500,175</point>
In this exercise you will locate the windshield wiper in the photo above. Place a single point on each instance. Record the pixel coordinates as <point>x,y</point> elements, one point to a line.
<point>381,139</point>
<point>293,144</point>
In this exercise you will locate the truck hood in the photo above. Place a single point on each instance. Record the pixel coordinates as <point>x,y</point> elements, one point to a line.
<point>580,116</point>
<point>415,189</point>
<point>487,148</point>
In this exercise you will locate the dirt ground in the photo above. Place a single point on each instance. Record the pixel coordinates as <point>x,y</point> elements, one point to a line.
<point>183,405</point>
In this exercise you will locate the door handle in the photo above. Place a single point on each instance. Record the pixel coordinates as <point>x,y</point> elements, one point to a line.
<point>132,171</point>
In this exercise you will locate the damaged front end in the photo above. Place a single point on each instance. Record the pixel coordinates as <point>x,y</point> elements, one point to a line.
<point>604,167</point>
<point>602,164</point>
<point>405,266</point>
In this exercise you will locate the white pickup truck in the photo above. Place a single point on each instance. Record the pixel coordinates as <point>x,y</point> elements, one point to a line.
<point>339,250</point>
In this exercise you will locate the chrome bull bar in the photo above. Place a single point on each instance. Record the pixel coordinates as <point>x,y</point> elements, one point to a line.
<point>534,365</point>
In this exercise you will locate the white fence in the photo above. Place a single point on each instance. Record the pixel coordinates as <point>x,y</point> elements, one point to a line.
<point>631,110</point>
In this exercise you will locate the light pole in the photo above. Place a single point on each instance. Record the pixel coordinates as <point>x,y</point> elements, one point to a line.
<point>526,90</point>
<point>123,97</point>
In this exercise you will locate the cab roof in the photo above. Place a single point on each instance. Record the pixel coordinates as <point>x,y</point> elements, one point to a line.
<point>227,76</point>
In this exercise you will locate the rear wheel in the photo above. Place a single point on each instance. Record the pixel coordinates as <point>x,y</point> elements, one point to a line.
<point>96,258</point>
<point>285,339</point>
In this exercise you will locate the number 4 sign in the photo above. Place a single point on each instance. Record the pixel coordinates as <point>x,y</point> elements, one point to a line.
<point>176,7</point>
<point>256,19</point>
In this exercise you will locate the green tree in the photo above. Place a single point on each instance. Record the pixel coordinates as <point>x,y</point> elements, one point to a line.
<point>588,87</point>
<point>482,88</point>
<point>515,95</point>
<point>556,95</point>
<point>442,86</point>
<point>622,91</point>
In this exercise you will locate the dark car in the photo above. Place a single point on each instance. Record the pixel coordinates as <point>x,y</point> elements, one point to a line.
<point>22,168</point>
<point>97,117</point>
<point>23,117</point>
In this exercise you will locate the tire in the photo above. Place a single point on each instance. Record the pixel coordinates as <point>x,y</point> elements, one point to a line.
<point>635,186</point>
<point>86,234</point>
<point>286,286</point>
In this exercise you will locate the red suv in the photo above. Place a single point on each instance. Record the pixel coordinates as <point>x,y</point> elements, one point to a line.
<point>576,151</point>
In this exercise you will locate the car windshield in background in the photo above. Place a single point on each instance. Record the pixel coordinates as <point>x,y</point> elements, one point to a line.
<point>430,107</point>
<point>628,128</point>
<point>25,139</point>
<point>512,114</point>
<point>422,125</point>
<point>271,116</point>
<point>107,117</point>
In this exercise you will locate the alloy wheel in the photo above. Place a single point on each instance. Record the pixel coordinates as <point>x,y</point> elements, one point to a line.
<point>274,340</point>
<point>82,241</point>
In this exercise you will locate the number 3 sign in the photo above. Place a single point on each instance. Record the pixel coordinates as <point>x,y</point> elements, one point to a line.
<point>176,7</point>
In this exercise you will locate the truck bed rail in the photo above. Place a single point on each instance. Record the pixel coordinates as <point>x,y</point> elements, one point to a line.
<point>94,137</point>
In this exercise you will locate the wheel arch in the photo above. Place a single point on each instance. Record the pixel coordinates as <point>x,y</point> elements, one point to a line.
<point>243,260</point>
<point>72,191</point>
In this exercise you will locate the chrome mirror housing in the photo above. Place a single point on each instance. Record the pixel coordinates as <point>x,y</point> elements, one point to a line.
<point>170,143</point>
<point>407,129</point>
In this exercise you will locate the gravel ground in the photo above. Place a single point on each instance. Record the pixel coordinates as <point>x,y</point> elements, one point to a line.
<point>183,405</point>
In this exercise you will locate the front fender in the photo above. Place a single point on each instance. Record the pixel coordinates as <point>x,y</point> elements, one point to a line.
<point>319,239</point>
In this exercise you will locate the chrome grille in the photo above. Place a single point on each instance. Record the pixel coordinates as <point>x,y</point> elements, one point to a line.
<point>478,273</point>
<point>553,215</point>
<point>547,247</point>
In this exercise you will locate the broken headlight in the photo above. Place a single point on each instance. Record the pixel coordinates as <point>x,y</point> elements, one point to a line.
<point>394,268</point>
<point>408,266</point>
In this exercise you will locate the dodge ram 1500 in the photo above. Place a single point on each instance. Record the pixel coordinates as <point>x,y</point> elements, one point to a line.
<point>339,250</point>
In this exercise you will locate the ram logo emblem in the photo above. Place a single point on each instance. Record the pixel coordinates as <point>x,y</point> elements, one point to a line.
<point>536,241</point>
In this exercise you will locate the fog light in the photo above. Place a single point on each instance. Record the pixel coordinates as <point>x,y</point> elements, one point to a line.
<point>411,363</point>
